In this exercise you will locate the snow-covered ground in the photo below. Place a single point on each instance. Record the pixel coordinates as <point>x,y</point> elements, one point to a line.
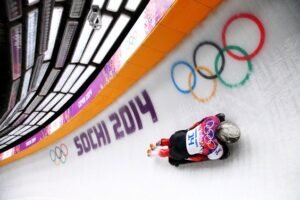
<point>263,165</point>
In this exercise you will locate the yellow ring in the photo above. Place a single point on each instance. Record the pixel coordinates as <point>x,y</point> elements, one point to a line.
<point>213,93</point>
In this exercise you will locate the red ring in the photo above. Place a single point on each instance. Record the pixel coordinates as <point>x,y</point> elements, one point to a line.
<point>261,30</point>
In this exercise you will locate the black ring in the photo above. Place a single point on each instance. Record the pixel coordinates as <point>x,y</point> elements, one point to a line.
<point>222,56</point>
<point>59,151</point>
<point>59,154</point>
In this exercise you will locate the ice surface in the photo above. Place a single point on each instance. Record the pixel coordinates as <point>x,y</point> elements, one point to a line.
<point>263,165</point>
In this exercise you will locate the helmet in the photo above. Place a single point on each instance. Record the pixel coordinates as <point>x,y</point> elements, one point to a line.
<point>228,132</point>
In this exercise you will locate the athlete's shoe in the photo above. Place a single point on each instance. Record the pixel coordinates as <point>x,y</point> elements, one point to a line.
<point>152,147</point>
<point>149,152</point>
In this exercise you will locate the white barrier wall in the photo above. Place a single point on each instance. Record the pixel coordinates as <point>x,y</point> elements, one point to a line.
<point>107,156</point>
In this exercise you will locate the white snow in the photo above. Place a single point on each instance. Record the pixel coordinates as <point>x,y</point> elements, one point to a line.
<point>263,165</point>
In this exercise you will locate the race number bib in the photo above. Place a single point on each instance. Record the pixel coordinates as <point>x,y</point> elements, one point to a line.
<point>192,141</point>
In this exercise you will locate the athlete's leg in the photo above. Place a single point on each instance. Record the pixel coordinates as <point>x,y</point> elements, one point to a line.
<point>161,142</point>
<point>164,152</point>
<point>159,153</point>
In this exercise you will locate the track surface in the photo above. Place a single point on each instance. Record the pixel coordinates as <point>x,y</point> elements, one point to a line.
<point>263,165</point>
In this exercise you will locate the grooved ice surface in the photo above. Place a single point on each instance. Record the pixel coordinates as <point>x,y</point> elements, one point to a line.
<point>263,165</point>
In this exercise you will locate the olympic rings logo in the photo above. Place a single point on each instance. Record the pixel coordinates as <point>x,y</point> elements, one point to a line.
<point>59,154</point>
<point>219,62</point>
<point>209,135</point>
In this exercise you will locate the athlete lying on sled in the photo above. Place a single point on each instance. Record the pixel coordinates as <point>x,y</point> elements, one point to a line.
<point>205,140</point>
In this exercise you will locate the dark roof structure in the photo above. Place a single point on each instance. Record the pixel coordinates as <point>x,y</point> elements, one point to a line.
<point>51,51</point>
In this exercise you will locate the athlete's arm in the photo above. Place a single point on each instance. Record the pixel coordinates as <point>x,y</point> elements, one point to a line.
<point>217,153</point>
<point>220,116</point>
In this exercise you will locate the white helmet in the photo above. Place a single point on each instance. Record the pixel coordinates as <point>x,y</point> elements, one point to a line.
<point>228,132</point>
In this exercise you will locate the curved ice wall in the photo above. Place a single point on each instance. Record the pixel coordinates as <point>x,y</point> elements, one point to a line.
<point>107,156</point>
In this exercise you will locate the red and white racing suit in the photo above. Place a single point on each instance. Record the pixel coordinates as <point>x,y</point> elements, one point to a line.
<point>198,143</point>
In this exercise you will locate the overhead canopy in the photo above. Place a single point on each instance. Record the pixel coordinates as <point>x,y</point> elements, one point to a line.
<point>51,54</point>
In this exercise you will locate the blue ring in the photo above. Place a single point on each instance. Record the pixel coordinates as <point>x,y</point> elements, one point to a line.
<point>173,80</point>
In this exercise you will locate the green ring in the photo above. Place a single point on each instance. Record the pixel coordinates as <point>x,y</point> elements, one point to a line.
<point>246,78</point>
